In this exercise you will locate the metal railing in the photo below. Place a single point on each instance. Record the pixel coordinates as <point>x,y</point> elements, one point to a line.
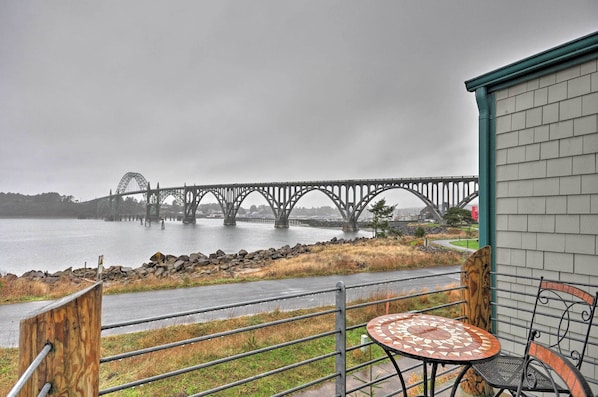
<point>14,392</point>
<point>314,340</point>
<point>343,312</point>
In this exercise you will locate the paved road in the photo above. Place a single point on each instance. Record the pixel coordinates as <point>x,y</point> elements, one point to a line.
<point>447,244</point>
<point>124,307</point>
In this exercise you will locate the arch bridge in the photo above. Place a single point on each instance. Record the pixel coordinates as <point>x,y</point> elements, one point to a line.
<point>351,197</point>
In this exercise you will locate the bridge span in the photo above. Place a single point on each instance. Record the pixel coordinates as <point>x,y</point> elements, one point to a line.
<point>351,197</point>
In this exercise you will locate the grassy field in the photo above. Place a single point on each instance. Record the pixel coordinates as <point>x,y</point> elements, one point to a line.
<point>472,244</point>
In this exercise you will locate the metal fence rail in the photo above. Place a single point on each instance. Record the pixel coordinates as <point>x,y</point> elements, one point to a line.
<point>14,392</point>
<point>340,302</point>
<point>324,339</point>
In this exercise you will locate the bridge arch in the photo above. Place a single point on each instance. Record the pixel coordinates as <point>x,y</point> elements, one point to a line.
<point>193,197</point>
<point>244,193</point>
<point>124,182</point>
<point>177,194</point>
<point>362,205</point>
<point>335,198</point>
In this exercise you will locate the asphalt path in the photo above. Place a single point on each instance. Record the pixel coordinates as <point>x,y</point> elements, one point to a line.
<point>278,294</point>
<point>447,244</point>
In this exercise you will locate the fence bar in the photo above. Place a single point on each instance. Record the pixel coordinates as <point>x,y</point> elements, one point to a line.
<point>45,390</point>
<point>29,371</point>
<point>220,361</point>
<point>262,375</point>
<point>306,385</point>
<point>72,325</point>
<point>404,297</point>
<point>212,336</point>
<point>214,308</point>
<point>341,339</point>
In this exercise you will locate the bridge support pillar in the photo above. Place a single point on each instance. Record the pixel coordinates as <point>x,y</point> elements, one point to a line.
<point>350,226</point>
<point>230,221</point>
<point>281,223</point>
<point>188,219</point>
<point>152,212</point>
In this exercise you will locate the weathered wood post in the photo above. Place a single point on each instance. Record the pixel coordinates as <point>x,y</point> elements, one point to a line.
<point>73,326</point>
<point>476,277</point>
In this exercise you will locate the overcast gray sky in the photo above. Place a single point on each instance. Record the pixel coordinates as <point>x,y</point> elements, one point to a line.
<point>203,92</point>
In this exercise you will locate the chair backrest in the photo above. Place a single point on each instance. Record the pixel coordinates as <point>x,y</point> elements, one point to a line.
<point>553,365</point>
<point>562,319</point>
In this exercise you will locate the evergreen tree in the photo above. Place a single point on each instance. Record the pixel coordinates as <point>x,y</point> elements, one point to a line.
<point>420,232</point>
<point>382,213</point>
<point>458,216</point>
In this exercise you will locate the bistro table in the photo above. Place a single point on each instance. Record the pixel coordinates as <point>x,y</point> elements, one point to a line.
<point>433,340</point>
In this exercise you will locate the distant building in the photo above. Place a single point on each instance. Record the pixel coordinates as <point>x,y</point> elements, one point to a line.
<point>427,214</point>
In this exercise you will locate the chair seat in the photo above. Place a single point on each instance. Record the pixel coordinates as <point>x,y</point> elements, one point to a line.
<point>504,373</point>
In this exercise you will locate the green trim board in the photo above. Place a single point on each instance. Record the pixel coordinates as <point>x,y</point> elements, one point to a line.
<point>566,55</point>
<point>484,166</point>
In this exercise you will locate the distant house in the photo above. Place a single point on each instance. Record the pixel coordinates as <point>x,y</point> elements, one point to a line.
<point>538,171</point>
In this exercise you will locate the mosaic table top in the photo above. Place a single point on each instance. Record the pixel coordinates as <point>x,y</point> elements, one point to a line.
<point>433,338</point>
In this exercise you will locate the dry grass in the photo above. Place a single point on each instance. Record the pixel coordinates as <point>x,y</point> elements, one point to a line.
<point>127,370</point>
<point>9,359</point>
<point>373,255</point>
<point>22,290</point>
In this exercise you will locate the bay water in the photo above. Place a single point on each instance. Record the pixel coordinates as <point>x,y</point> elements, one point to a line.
<point>57,244</point>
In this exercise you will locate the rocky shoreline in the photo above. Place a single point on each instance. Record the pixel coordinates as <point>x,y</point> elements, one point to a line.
<point>195,264</point>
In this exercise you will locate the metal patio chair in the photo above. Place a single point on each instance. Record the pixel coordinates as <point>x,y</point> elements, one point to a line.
<point>561,320</point>
<point>562,374</point>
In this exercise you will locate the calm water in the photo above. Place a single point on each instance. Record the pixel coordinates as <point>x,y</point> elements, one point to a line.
<point>56,244</point>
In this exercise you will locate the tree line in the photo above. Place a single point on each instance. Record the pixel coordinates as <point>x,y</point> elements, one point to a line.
<point>56,205</point>
<point>45,204</point>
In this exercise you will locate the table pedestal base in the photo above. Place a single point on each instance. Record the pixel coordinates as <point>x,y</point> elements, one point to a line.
<point>434,369</point>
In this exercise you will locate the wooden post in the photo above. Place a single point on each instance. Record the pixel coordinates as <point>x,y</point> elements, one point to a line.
<point>476,277</point>
<point>73,326</point>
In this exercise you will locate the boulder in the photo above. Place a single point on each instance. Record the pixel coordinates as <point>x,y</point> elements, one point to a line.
<point>10,277</point>
<point>157,257</point>
<point>204,261</point>
<point>179,265</point>
<point>195,257</point>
